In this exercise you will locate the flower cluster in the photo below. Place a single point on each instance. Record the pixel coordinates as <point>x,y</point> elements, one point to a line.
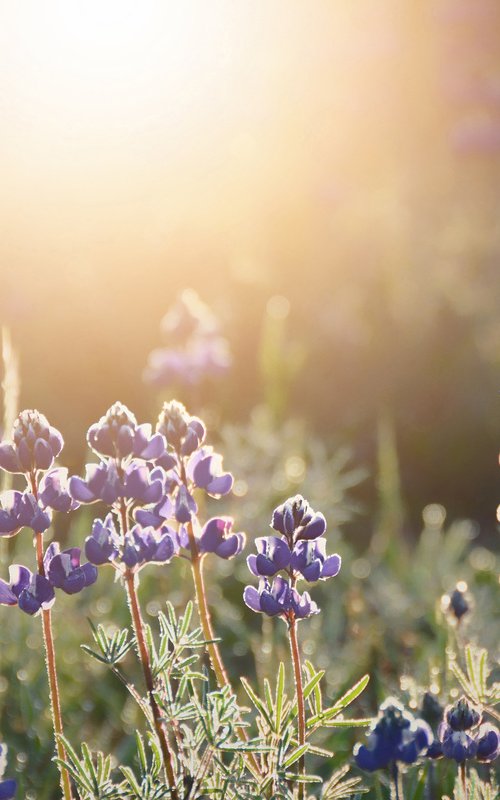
<point>396,735</point>
<point>196,349</point>
<point>299,552</point>
<point>461,736</point>
<point>149,480</point>
<point>32,450</point>
<point>8,787</point>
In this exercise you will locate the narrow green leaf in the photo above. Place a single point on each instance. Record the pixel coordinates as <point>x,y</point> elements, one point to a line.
<point>278,705</point>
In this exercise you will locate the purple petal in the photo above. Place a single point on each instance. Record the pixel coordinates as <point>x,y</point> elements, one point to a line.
<point>230,546</point>
<point>252,598</point>
<point>220,485</point>
<point>7,596</point>
<point>252,565</point>
<point>212,534</point>
<point>79,490</point>
<point>56,441</point>
<point>316,527</point>
<point>8,458</point>
<point>331,567</point>
<point>43,454</point>
<point>8,789</point>
<point>20,578</point>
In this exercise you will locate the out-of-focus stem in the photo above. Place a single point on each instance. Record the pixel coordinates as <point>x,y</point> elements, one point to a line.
<point>299,691</point>
<point>50,663</point>
<point>138,623</point>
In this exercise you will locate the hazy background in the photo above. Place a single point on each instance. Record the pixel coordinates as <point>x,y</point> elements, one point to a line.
<point>343,155</point>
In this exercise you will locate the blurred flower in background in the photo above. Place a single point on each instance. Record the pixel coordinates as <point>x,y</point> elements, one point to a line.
<point>195,349</point>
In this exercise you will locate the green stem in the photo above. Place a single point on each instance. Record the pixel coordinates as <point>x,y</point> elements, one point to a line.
<point>463,778</point>
<point>135,611</point>
<point>397,783</point>
<point>130,583</point>
<point>208,632</point>
<point>299,692</point>
<point>50,663</point>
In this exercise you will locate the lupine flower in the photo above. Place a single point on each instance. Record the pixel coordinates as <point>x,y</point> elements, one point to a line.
<point>35,444</point>
<point>458,741</point>
<point>217,537</point>
<point>54,491</point>
<point>196,349</point>
<point>205,470</point>
<point>488,743</point>
<point>396,735</point>
<point>310,559</point>
<point>279,599</point>
<point>296,520</point>
<point>183,433</point>
<point>8,788</point>
<point>30,591</point>
<point>273,555</point>
<point>64,571</point>
<point>146,545</point>
<point>117,435</point>
<point>19,510</point>
<point>462,716</point>
<point>102,546</point>
<point>103,482</point>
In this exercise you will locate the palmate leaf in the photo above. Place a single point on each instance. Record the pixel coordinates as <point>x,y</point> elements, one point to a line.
<point>474,681</point>
<point>112,649</point>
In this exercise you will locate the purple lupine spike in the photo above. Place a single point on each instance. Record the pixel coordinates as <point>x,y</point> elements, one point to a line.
<point>461,716</point>
<point>33,592</point>
<point>205,470</point>
<point>35,444</point>
<point>102,546</point>
<point>217,537</point>
<point>54,491</point>
<point>273,555</point>
<point>117,435</point>
<point>396,735</point>
<point>64,571</point>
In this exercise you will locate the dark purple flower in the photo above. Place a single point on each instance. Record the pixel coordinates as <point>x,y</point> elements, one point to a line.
<point>217,537</point>
<point>488,743</point>
<point>205,470</point>
<point>156,516</point>
<point>19,510</point>
<point>29,590</point>
<point>8,788</point>
<point>64,571</point>
<point>117,435</point>
<point>396,735</point>
<point>296,520</point>
<point>461,716</point>
<point>143,545</point>
<point>310,559</point>
<point>279,599</point>
<point>35,444</point>
<point>183,433</point>
<point>102,545</point>
<point>457,745</point>
<point>273,555</point>
<point>103,482</point>
<point>54,490</point>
